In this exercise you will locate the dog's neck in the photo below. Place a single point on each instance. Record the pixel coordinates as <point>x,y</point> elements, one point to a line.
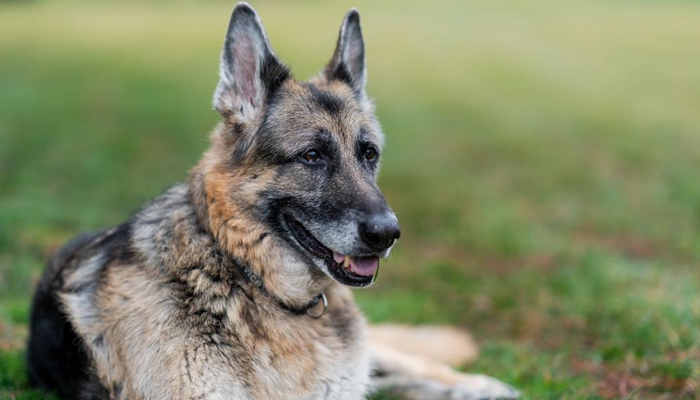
<point>219,211</point>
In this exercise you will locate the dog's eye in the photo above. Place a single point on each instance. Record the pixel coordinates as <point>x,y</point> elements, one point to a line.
<point>312,156</point>
<point>370,153</point>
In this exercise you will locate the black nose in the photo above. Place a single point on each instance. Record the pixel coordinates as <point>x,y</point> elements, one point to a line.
<point>380,231</point>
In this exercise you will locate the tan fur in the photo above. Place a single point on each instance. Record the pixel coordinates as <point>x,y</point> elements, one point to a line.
<point>442,344</point>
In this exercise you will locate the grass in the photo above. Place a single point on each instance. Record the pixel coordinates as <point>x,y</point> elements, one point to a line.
<point>542,159</point>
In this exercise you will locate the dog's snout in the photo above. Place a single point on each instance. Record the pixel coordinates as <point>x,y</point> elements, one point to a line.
<point>380,231</point>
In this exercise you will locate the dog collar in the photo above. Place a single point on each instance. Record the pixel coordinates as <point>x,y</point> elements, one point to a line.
<point>308,309</point>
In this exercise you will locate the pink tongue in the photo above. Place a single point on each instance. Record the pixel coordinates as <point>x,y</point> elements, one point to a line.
<point>364,266</point>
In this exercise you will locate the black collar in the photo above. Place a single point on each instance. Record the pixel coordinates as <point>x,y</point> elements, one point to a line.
<point>251,277</point>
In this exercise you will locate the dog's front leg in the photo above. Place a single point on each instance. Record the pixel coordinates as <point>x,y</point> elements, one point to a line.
<point>415,375</point>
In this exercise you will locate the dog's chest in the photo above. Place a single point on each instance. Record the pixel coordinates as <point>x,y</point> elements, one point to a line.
<point>299,358</point>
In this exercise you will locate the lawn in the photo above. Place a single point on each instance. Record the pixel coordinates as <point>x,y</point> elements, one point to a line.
<point>543,159</point>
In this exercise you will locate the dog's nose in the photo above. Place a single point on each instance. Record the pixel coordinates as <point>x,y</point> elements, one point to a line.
<point>380,231</point>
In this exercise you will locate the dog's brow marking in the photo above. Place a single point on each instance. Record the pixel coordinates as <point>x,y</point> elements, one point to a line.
<point>325,133</point>
<point>364,135</point>
<point>326,100</point>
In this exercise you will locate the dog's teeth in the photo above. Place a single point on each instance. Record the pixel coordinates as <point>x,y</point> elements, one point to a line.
<point>346,262</point>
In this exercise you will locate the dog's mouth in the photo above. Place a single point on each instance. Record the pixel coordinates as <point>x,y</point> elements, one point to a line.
<point>349,270</point>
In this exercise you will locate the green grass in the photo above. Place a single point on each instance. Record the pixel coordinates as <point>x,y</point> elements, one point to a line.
<point>542,158</point>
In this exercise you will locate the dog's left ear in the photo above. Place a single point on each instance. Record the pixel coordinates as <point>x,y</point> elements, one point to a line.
<point>250,72</point>
<point>348,62</point>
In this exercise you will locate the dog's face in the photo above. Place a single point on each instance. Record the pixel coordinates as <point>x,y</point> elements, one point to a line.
<point>302,158</point>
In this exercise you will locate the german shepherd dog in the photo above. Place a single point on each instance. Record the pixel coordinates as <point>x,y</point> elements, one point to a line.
<point>235,285</point>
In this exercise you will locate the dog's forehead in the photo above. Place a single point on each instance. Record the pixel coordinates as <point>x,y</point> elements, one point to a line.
<point>329,106</point>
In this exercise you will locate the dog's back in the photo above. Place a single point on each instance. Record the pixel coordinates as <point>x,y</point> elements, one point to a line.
<point>56,355</point>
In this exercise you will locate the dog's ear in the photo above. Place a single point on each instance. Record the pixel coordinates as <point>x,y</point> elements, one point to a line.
<point>348,62</point>
<point>250,72</point>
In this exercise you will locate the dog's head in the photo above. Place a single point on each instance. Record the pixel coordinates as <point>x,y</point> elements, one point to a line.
<point>296,163</point>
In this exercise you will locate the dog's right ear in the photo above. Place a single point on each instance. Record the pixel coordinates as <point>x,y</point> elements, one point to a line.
<point>250,72</point>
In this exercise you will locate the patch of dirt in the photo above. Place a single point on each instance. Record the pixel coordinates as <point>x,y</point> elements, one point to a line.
<point>634,248</point>
<point>12,336</point>
<point>617,382</point>
<point>499,264</point>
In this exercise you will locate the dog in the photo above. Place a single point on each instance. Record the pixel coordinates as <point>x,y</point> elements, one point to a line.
<point>236,284</point>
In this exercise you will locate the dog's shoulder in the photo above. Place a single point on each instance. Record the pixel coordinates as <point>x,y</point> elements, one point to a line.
<point>147,235</point>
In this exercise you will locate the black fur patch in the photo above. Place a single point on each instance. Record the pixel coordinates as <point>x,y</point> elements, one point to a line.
<point>340,73</point>
<point>326,101</point>
<point>56,357</point>
<point>117,246</point>
<point>273,74</point>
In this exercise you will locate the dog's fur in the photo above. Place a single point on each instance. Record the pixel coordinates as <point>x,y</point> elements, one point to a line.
<point>203,293</point>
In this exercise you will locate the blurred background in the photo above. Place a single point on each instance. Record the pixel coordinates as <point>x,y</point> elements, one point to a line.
<point>543,158</point>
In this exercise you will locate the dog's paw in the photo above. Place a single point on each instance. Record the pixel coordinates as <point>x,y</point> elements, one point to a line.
<point>469,387</point>
<point>482,387</point>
